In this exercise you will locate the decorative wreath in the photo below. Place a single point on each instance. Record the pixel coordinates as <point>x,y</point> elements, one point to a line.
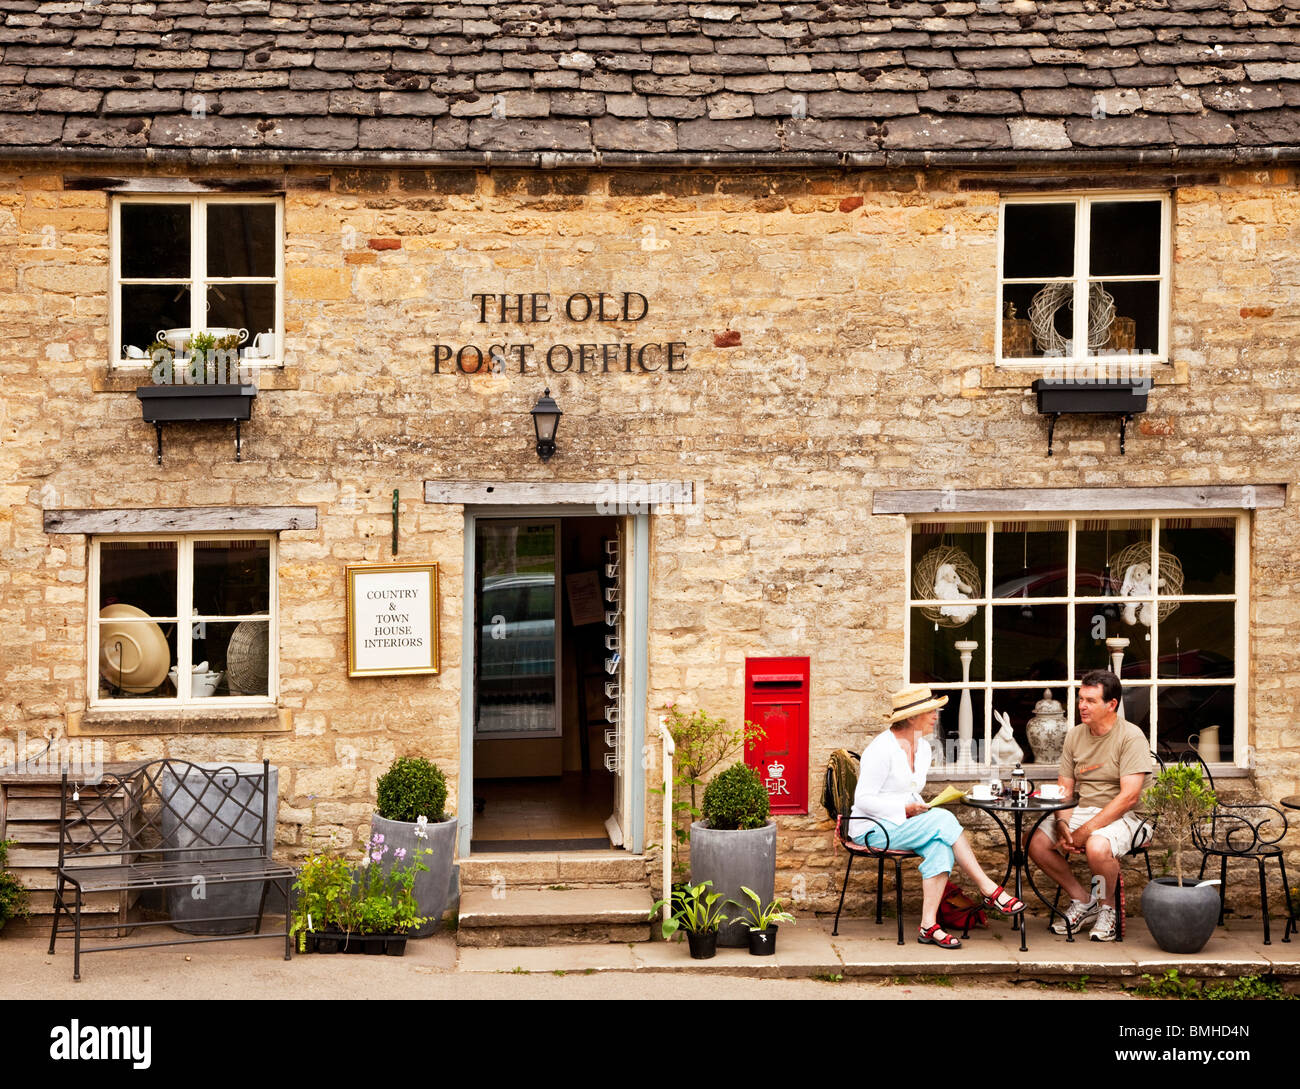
<point>1135,556</point>
<point>923,585</point>
<point>1042,317</point>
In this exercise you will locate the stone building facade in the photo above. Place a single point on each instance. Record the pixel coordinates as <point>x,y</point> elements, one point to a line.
<point>801,267</point>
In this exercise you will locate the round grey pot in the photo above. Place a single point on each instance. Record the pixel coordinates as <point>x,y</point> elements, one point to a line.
<point>432,888</point>
<point>1180,919</point>
<point>236,805</point>
<point>731,858</point>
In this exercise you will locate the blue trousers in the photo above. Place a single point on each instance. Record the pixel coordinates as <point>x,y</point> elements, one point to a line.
<point>931,835</point>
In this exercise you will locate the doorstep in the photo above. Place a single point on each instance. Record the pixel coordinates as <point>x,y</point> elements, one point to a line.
<point>864,949</point>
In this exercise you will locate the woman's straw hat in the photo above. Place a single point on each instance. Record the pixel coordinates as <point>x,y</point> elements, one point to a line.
<point>915,699</point>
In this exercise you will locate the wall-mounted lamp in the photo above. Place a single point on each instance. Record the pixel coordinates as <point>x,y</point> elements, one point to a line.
<point>546,421</point>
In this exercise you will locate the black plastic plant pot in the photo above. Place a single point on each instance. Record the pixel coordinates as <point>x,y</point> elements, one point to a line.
<point>373,945</point>
<point>326,943</point>
<point>1120,397</point>
<point>395,947</point>
<point>762,943</point>
<point>703,943</point>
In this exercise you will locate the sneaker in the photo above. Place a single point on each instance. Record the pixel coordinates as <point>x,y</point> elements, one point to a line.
<point>1103,930</point>
<point>1077,914</point>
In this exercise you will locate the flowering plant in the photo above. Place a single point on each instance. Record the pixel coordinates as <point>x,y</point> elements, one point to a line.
<point>334,894</point>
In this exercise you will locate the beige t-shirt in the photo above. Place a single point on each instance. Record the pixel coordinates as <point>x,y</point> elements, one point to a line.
<point>1097,763</point>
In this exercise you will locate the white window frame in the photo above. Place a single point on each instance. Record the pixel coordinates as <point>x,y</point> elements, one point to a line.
<point>184,617</point>
<point>198,280</point>
<point>1080,278</point>
<point>987,687</point>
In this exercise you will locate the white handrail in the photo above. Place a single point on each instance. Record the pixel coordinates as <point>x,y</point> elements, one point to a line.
<point>669,749</point>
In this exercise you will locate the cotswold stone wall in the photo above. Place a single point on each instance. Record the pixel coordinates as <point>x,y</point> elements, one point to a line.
<point>835,337</point>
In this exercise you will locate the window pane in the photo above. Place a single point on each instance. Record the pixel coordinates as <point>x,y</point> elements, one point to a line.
<point>239,651</point>
<point>1188,717</point>
<point>146,310</point>
<point>1124,238</point>
<point>944,741</point>
<point>232,578</point>
<point>945,557</point>
<point>1037,320</point>
<point>1127,322</point>
<point>1030,559</point>
<point>241,239</point>
<point>155,241</point>
<point>1196,640</point>
<point>1204,551</point>
<point>1096,545</point>
<point>935,657</point>
<point>141,574</point>
<point>1096,623</point>
<point>1029,643</point>
<point>135,657</point>
<point>1037,240</point>
<point>242,306</point>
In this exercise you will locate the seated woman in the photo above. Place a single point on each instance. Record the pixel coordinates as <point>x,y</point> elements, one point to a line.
<point>890,779</point>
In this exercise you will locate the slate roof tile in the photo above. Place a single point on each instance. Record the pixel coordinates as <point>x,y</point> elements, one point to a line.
<point>904,75</point>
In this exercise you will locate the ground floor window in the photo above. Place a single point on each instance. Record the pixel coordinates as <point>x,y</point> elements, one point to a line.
<point>195,606</point>
<point>1010,608</point>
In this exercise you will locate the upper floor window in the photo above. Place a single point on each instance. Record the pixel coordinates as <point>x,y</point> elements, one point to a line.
<point>197,266</point>
<point>1084,279</point>
<point>200,606</point>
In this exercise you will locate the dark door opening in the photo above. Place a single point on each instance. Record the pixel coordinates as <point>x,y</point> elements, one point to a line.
<point>547,654</point>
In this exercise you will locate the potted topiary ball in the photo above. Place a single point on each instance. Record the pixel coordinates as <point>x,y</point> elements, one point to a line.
<point>410,819</point>
<point>734,845</point>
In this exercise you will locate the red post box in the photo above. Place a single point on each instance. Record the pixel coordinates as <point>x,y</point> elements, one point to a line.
<point>776,698</point>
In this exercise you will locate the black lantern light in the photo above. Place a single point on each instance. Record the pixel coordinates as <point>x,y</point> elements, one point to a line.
<point>546,421</point>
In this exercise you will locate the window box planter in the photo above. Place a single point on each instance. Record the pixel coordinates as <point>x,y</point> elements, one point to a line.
<point>1100,396</point>
<point>195,404</point>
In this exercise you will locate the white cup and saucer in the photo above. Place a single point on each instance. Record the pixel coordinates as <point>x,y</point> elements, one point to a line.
<point>1051,792</point>
<point>981,792</point>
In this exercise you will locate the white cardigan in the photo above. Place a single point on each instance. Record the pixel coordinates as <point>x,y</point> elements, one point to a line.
<point>885,782</point>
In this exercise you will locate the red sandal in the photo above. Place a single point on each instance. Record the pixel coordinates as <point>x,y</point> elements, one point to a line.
<point>935,935</point>
<point>1003,901</point>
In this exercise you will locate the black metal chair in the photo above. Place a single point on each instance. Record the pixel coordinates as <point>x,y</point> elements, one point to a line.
<point>1252,830</point>
<point>837,796</point>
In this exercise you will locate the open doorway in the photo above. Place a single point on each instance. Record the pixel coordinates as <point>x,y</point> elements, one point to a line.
<point>548,623</point>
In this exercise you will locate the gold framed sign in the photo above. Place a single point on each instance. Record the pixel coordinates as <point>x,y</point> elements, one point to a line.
<point>392,619</point>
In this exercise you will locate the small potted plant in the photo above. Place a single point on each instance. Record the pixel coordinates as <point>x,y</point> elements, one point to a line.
<point>734,845</point>
<point>410,817</point>
<point>762,920</point>
<point>1180,916</point>
<point>13,896</point>
<point>693,911</point>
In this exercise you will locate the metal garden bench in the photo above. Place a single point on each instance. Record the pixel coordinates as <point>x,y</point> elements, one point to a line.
<point>168,824</point>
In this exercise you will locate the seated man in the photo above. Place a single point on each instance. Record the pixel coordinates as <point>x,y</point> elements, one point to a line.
<point>1107,759</point>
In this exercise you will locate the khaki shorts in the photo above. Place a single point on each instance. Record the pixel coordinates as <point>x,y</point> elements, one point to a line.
<point>1120,834</point>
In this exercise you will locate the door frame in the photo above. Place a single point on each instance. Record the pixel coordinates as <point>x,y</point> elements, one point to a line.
<point>636,529</point>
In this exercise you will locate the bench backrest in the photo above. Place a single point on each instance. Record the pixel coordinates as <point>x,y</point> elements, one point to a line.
<point>167,809</point>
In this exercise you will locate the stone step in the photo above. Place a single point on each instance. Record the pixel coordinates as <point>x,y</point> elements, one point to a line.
<point>530,917</point>
<point>575,870</point>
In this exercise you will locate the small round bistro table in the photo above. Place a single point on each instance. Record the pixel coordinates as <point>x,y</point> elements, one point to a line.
<point>1293,921</point>
<point>1039,808</point>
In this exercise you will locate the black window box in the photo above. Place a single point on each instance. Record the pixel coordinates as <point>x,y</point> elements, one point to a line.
<point>192,404</point>
<point>1124,397</point>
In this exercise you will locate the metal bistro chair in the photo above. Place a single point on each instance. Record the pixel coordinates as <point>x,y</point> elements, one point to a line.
<point>1242,830</point>
<point>841,781</point>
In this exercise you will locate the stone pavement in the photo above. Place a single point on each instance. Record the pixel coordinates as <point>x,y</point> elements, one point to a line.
<point>862,951</point>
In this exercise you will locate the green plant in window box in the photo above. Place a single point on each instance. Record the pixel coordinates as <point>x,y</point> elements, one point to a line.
<point>13,897</point>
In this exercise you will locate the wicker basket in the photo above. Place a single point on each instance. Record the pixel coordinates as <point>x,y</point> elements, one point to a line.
<point>247,656</point>
<point>923,582</point>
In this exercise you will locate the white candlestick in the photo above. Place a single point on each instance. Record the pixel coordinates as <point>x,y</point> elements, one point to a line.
<point>965,717</point>
<point>1117,645</point>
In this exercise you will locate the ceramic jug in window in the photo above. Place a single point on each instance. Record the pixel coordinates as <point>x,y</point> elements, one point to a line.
<point>1047,729</point>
